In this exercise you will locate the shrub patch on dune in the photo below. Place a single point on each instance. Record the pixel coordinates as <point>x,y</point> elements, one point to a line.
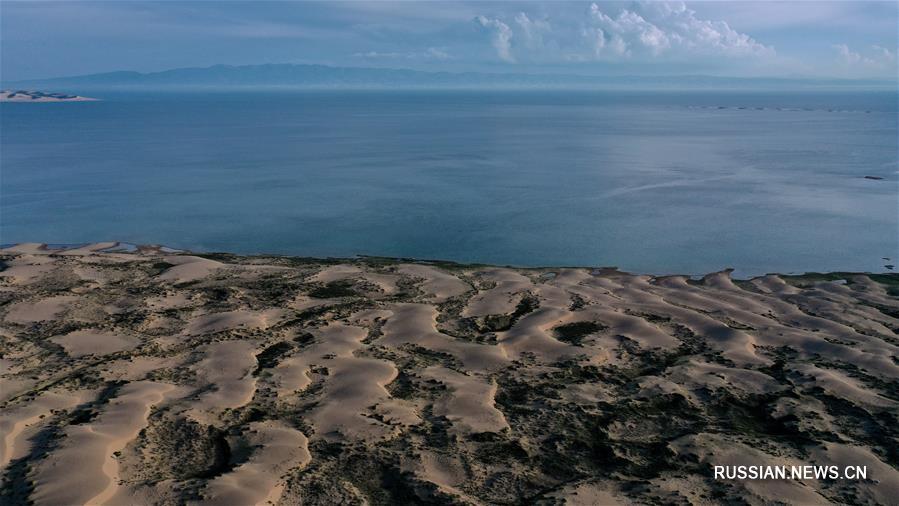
<point>574,333</point>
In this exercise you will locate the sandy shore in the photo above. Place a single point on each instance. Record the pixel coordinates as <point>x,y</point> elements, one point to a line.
<point>152,377</point>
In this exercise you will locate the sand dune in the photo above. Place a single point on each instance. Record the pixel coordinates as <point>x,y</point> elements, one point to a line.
<point>84,470</point>
<point>415,324</point>
<point>244,319</point>
<point>25,248</point>
<point>356,405</point>
<point>17,426</point>
<point>168,301</point>
<point>258,481</point>
<point>724,451</point>
<point>89,342</point>
<point>12,383</point>
<point>436,284</point>
<point>226,371</point>
<point>840,385</point>
<point>469,403</point>
<point>188,268</point>
<point>501,298</point>
<point>40,310</point>
<point>588,494</point>
<point>885,476</point>
<point>444,471</point>
<point>336,273</point>
<point>89,249</point>
<point>532,336</point>
<point>385,283</point>
<point>28,268</point>
<point>145,376</point>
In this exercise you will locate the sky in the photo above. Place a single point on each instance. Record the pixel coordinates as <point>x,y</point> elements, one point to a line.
<point>844,39</point>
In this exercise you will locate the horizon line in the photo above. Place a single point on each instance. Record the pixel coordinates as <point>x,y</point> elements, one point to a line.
<point>811,79</point>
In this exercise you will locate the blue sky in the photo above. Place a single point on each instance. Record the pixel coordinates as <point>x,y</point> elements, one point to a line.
<point>848,39</point>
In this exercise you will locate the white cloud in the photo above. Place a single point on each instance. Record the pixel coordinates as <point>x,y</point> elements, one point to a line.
<point>532,29</point>
<point>883,53</point>
<point>628,30</point>
<point>848,56</point>
<point>644,31</point>
<point>501,37</point>
<point>879,58</point>
<point>657,28</point>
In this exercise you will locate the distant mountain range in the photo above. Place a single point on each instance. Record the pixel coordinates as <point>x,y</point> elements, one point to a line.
<point>322,76</point>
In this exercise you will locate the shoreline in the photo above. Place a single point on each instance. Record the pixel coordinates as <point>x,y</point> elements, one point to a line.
<point>124,247</point>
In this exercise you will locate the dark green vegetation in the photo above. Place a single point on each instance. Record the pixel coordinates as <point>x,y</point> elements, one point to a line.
<point>333,290</point>
<point>271,356</point>
<point>503,322</point>
<point>574,333</point>
<point>182,449</point>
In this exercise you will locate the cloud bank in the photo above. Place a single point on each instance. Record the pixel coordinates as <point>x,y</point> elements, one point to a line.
<point>644,32</point>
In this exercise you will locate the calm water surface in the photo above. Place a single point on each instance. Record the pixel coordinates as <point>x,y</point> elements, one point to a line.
<point>651,182</point>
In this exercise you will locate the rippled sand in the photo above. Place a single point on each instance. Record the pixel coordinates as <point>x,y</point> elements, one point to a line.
<point>150,377</point>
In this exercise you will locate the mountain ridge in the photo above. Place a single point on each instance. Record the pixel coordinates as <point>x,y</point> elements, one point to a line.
<point>316,75</point>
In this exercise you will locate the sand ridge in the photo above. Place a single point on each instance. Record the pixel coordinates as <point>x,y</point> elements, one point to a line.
<point>185,269</point>
<point>39,310</point>
<point>415,324</point>
<point>438,285</point>
<point>353,387</point>
<point>226,370</point>
<point>27,268</point>
<point>88,342</point>
<point>469,403</point>
<point>242,318</point>
<point>257,481</point>
<point>501,298</point>
<point>17,426</point>
<point>84,470</point>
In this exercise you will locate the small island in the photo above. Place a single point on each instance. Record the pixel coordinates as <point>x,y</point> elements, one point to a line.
<point>40,96</point>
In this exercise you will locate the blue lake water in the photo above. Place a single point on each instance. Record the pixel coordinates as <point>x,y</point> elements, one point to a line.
<point>649,182</point>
